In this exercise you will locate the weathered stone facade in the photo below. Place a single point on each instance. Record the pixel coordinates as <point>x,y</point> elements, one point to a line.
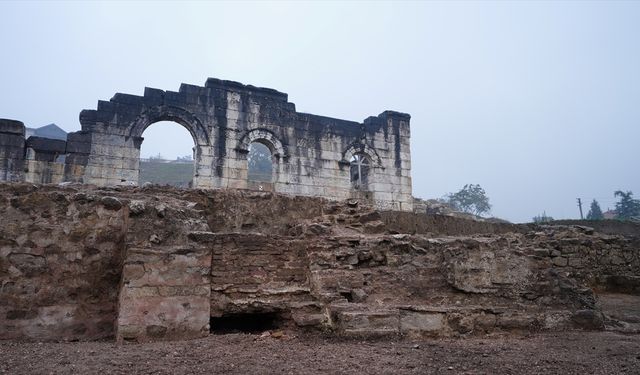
<point>79,262</point>
<point>312,155</point>
<point>11,150</point>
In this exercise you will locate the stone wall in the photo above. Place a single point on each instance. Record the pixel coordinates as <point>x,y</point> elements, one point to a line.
<point>11,150</point>
<point>44,160</point>
<point>421,223</point>
<point>269,273</point>
<point>165,284</point>
<point>60,264</point>
<point>414,285</point>
<point>311,154</point>
<point>600,261</point>
<point>44,172</point>
<point>143,264</point>
<point>609,226</point>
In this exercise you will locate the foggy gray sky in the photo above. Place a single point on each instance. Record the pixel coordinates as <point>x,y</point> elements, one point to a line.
<point>538,102</point>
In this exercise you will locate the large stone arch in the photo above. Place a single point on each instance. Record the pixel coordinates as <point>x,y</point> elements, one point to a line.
<point>151,115</point>
<point>108,147</point>
<point>199,133</point>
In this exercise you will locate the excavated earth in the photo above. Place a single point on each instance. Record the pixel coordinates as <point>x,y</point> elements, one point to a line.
<point>163,280</point>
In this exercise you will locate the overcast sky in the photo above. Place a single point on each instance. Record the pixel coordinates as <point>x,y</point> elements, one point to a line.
<point>538,102</point>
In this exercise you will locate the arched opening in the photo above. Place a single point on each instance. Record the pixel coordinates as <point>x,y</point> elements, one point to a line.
<point>360,167</point>
<point>259,164</point>
<point>167,155</point>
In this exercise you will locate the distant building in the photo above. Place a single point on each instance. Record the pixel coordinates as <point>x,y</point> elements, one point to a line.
<point>51,131</point>
<point>610,214</point>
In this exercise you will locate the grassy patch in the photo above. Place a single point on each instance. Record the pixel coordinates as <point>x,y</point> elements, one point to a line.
<point>174,174</point>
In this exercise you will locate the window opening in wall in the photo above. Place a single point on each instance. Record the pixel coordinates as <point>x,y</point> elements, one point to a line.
<point>260,168</point>
<point>360,166</point>
<point>167,155</point>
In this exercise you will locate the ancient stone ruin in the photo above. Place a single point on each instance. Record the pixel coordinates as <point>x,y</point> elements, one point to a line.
<point>85,256</point>
<point>83,263</point>
<point>312,155</point>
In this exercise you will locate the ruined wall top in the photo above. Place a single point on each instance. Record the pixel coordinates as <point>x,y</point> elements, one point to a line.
<point>11,127</point>
<point>216,83</point>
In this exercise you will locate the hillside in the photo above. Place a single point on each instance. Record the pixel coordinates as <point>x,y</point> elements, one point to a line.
<point>164,173</point>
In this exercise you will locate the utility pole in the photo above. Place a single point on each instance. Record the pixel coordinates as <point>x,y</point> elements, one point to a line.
<point>580,206</point>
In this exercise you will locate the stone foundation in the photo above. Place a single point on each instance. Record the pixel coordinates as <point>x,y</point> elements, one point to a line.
<point>142,264</point>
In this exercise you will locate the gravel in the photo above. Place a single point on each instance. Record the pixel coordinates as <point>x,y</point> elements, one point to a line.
<point>549,353</point>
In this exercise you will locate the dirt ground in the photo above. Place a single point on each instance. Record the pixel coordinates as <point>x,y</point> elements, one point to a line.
<point>562,353</point>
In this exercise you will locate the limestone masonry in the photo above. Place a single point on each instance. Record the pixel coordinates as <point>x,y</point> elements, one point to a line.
<point>80,263</point>
<point>312,155</point>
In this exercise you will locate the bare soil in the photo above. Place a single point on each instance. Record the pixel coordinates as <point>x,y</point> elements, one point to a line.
<point>622,311</point>
<point>545,353</point>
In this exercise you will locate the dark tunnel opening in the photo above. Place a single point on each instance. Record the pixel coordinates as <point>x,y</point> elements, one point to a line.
<point>245,323</point>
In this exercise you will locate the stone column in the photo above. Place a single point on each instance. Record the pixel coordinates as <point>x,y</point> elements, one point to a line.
<point>11,150</point>
<point>165,287</point>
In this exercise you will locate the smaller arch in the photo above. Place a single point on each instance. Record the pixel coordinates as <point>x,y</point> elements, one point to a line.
<point>155,114</point>
<point>360,148</point>
<point>260,163</point>
<point>265,137</point>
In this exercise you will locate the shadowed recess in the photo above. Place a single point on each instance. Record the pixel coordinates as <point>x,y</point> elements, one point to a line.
<point>245,323</point>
